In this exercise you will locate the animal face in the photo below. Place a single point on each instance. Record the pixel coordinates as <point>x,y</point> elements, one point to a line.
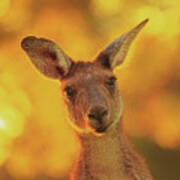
<point>92,96</point>
<point>89,88</point>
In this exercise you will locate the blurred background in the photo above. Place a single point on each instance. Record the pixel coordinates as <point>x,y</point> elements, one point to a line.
<point>35,141</point>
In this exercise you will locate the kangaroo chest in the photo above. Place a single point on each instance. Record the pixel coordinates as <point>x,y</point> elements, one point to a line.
<point>109,157</point>
<point>101,159</point>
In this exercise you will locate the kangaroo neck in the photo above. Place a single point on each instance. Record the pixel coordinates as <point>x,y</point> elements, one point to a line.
<point>108,157</point>
<point>100,157</point>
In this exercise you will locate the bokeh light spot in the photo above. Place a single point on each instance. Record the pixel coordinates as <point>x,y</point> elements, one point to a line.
<point>157,22</point>
<point>4,6</point>
<point>2,124</point>
<point>106,7</point>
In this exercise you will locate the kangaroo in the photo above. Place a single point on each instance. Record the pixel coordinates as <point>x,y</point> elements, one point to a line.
<point>95,107</point>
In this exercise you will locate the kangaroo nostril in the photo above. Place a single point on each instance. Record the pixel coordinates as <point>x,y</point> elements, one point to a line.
<point>98,114</point>
<point>104,113</point>
<point>91,116</point>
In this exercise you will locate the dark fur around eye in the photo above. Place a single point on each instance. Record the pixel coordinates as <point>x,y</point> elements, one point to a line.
<point>111,81</point>
<point>70,92</point>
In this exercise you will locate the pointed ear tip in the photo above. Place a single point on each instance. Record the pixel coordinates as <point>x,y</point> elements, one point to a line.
<point>144,22</point>
<point>26,41</point>
<point>141,25</point>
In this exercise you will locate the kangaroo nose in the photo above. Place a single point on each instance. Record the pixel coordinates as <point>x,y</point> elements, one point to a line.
<point>98,113</point>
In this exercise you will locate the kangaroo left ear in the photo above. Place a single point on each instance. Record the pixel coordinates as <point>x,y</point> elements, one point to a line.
<point>47,57</point>
<point>115,53</point>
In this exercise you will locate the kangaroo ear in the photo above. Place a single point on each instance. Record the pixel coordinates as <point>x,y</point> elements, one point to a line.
<point>115,53</point>
<point>48,58</point>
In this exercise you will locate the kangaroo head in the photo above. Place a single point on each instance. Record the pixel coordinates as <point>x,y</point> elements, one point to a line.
<point>90,92</point>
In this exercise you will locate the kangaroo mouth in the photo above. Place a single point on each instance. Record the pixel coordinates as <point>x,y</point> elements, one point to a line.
<point>101,129</point>
<point>98,126</point>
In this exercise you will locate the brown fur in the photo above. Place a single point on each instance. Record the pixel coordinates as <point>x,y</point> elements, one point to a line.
<point>109,156</point>
<point>95,105</point>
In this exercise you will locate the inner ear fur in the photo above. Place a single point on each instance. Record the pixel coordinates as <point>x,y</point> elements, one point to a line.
<point>47,57</point>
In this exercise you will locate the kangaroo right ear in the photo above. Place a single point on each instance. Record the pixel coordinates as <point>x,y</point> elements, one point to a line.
<point>115,53</point>
<point>48,58</point>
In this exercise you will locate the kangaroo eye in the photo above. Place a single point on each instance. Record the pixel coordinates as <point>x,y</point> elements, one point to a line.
<point>69,92</point>
<point>111,81</point>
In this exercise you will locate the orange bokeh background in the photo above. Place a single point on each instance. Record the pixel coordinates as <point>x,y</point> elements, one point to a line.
<point>35,140</point>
